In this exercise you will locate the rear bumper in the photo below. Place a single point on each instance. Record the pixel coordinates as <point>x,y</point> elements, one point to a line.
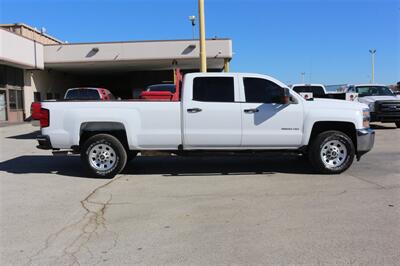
<point>44,142</point>
<point>365,141</point>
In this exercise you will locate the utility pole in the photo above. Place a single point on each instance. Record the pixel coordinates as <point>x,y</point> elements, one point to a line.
<point>373,52</point>
<point>226,65</point>
<point>203,55</point>
<point>302,76</point>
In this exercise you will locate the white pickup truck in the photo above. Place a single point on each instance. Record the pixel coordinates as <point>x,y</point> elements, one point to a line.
<point>311,91</point>
<point>214,112</point>
<point>384,105</point>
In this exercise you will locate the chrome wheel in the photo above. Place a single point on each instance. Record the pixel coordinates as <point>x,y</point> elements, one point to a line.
<point>333,153</point>
<point>102,157</point>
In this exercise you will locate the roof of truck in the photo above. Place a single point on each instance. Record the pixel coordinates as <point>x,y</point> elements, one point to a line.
<point>230,74</point>
<point>369,85</point>
<point>307,84</point>
<point>86,88</point>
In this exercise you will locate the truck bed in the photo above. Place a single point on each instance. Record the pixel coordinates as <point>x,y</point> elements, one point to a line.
<point>146,122</point>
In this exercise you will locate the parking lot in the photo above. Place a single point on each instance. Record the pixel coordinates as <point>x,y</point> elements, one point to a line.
<point>197,210</point>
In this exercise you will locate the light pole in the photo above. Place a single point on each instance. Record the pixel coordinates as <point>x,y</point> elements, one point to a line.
<point>302,76</point>
<point>373,52</point>
<point>202,29</point>
<point>193,20</point>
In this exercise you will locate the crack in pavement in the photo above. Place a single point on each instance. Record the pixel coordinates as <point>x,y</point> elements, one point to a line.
<point>73,238</point>
<point>369,182</point>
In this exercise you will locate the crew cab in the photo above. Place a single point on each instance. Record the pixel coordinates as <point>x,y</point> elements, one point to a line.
<point>384,105</point>
<point>210,112</point>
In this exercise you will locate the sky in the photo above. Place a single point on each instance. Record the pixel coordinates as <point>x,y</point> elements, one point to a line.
<point>329,40</point>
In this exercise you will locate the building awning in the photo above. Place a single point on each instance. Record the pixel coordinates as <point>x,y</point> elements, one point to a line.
<point>21,52</point>
<point>135,56</point>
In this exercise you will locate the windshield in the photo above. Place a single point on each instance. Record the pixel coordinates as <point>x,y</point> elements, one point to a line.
<point>336,88</point>
<point>82,94</point>
<point>373,91</point>
<point>162,87</point>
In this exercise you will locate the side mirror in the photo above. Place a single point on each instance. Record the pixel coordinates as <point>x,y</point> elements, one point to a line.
<point>351,96</point>
<point>286,96</point>
<point>308,96</point>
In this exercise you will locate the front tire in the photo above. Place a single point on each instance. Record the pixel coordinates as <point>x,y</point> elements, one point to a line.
<point>397,124</point>
<point>103,156</point>
<point>331,152</point>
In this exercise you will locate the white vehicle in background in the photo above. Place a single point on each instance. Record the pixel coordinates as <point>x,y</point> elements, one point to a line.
<point>384,105</point>
<point>310,91</point>
<point>211,112</point>
<point>316,90</point>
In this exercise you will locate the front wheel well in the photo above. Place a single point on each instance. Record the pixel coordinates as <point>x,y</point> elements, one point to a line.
<point>346,127</point>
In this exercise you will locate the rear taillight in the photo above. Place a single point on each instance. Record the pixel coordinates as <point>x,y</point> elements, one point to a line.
<point>35,110</point>
<point>41,114</point>
<point>44,117</point>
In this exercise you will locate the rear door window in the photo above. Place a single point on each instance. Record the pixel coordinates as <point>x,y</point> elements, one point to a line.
<point>214,89</point>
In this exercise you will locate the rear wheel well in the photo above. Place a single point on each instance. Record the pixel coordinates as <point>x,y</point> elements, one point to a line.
<point>346,127</point>
<point>90,129</point>
<point>119,134</point>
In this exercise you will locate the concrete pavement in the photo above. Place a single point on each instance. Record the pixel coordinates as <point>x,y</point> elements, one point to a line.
<point>200,211</point>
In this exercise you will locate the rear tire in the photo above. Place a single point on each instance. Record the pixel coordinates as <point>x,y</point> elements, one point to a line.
<point>331,152</point>
<point>103,156</point>
<point>397,124</point>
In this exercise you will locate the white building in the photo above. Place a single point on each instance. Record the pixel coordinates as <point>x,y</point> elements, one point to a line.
<point>35,66</point>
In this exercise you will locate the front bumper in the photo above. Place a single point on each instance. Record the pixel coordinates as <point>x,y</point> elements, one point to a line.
<point>365,141</point>
<point>44,142</point>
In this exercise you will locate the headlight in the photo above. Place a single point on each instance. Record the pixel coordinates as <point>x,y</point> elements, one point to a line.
<point>371,106</point>
<point>366,118</point>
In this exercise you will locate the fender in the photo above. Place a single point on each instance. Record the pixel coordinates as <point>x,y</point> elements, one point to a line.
<point>115,128</point>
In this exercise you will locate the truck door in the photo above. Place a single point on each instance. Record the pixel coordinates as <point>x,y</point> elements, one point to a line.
<point>266,122</point>
<point>211,112</point>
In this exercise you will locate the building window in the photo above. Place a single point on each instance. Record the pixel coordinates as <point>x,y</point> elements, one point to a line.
<point>11,76</point>
<point>15,99</point>
<point>213,89</point>
<point>3,76</point>
<point>3,105</point>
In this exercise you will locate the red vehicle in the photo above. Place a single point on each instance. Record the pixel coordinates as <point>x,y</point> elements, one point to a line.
<point>164,92</point>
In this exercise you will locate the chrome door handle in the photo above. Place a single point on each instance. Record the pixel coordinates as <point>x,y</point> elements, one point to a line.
<point>194,110</point>
<point>251,111</point>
